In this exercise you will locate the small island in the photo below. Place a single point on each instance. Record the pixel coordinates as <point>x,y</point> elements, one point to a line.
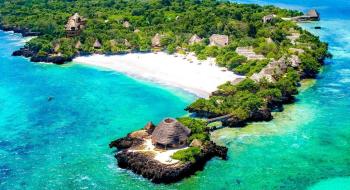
<point>168,152</point>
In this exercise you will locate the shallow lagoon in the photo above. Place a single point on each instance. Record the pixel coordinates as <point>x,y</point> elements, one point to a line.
<point>62,144</point>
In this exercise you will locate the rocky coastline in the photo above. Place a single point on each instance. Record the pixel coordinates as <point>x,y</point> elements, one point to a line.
<point>34,57</point>
<point>24,31</point>
<point>145,165</point>
<point>31,53</point>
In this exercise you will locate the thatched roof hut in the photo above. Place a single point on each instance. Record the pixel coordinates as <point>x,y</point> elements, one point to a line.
<point>126,24</point>
<point>127,43</point>
<point>194,39</point>
<point>97,44</point>
<point>78,45</point>
<point>156,40</point>
<point>313,14</point>
<point>74,25</point>
<point>170,133</point>
<point>268,18</point>
<point>56,47</point>
<point>218,40</point>
<point>249,53</point>
<point>113,42</point>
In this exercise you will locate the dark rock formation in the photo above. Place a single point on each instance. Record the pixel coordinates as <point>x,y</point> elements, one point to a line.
<point>261,115</point>
<point>24,31</point>
<point>145,165</point>
<point>125,142</point>
<point>34,57</point>
<point>51,59</point>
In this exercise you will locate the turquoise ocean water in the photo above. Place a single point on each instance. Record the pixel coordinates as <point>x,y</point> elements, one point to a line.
<point>63,143</point>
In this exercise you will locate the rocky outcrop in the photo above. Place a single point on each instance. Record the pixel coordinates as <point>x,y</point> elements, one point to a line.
<point>24,31</point>
<point>34,57</point>
<point>261,115</point>
<point>32,54</point>
<point>133,139</point>
<point>144,164</point>
<point>125,142</point>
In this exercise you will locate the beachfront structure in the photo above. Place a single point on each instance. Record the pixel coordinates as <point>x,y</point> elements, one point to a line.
<point>170,133</point>
<point>156,41</point>
<point>268,18</point>
<point>311,15</point>
<point>218,40</point>
<point>249,53</point>
<point>74,25</point>
<point>97,44</point>
<point>195,39</point>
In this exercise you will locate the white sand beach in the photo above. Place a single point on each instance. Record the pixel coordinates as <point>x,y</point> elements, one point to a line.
<point>180,71</point>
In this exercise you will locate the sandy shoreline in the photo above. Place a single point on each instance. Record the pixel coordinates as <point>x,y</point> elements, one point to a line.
<point>180,71</point>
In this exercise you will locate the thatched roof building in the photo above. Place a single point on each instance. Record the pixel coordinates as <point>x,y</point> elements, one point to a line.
<point>97,44</point>
<point>218,40</point>
<point>170,133</point>
<point>195,39</point>
<point>249,53</point>
<point>268,18</point>
<point>74,25</point>
<point>78,45</point>
<point>272,71</point>
<point>113,43</point>
<point>126,24</point>
<point>313,14</point>
<point>56,47</point>
<point>156,40</point>
<point>127,43</point>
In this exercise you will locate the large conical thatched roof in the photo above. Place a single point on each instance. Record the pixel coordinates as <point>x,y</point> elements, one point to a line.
<point>218,40</point>
<point>195,39</point>
<point>156,40</point>
<point>126,24</point>
<point>313,13</point>
<point>97,44</point>
<point>170,133</point>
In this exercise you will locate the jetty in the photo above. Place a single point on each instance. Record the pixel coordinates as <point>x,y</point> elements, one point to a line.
<point>311,15</point>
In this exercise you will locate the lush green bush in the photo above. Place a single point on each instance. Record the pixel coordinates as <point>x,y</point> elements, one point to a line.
<point>197,126</point>
<point>187,155</point>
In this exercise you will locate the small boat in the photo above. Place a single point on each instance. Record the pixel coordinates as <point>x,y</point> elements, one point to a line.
<point>50,98</point>
<point>317,27</point>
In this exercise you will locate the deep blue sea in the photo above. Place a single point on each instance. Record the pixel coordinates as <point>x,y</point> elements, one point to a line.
<point>63,143</point>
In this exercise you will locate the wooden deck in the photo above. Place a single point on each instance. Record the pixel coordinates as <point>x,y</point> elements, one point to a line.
<point>220,118</point>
